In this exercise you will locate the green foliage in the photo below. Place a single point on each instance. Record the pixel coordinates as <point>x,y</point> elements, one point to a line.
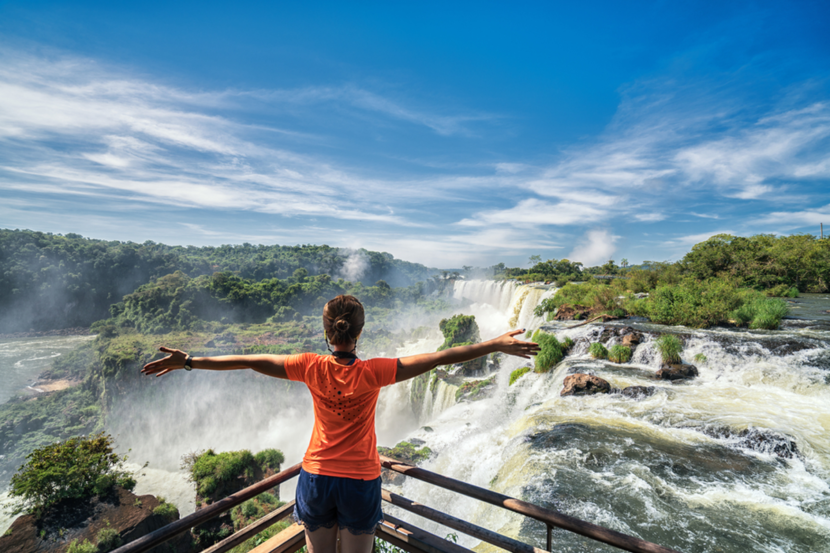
<point>567,343</point>
<point>83,547</point>
<point>270,458</point>
<point>75,469</point>
<point>700,358</point>
<point>517,374</point>
<point>759,312</point>
<point>108,539</point>
<point>598,351</point>
<point>41,273</point>
<point>619,354</point>
<point>473,388</point>
<point>670,348</point>
<point>406,451</point>
<point>459,330</point>
<point>762,261</point>
<point>698,304</point>
<point>210,469</point>
<point>595,294</point>
<point>550,353</point>
<point>166,510</point>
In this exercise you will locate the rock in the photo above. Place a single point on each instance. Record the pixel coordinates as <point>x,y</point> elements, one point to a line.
<point>757,439</point>
<point>676,372</point>
<point>638,392</point>
<point>632,340</point>
<point>584,384</point>
<point>78,520</point>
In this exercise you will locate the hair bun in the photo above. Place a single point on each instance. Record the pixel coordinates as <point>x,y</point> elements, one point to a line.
<point>342,325</point>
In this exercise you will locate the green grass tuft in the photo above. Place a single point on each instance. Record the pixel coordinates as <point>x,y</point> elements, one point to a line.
<point>700,358</point>
<point>598,351</point>
<point>550,353</point>
<point>619,354</point>
<point>670,348</point>
<point>517,374</point>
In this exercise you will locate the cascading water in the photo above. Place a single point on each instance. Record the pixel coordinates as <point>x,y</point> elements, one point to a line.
<point>735,460</point>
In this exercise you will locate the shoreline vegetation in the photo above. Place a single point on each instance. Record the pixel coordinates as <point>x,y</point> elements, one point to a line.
<point>258,299</point>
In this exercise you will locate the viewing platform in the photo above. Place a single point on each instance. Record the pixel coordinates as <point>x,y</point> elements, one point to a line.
<point>397,532</point>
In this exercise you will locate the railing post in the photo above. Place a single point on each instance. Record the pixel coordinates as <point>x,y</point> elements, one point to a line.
<point>550,537</point>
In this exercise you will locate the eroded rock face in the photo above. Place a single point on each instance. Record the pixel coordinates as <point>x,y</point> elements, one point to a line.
<point>584,384</point>
<point>78,520</point>
<point>676,372</point>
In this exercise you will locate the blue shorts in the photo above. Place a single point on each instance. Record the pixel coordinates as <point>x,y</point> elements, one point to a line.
<point>323,501</point>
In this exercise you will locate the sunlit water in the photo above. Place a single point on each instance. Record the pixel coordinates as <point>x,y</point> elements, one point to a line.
<point>670,468</point>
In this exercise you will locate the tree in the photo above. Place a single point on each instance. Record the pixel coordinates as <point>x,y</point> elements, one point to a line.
<point>624,262</point>
<point>534,259</point>
<point>75,469</point>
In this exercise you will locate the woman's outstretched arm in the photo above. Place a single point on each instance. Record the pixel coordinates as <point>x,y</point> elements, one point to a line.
<point>271,365</point>
<point>412,366</point>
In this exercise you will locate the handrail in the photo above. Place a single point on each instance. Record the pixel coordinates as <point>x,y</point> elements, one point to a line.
<point>203,515</point>
<point>548,516</point>
<point>493,538</point>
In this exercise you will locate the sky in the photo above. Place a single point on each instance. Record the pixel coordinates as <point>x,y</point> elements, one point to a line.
<point>446,133</point>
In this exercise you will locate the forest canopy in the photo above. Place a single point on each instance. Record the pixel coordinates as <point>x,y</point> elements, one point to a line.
<point>52,281</point>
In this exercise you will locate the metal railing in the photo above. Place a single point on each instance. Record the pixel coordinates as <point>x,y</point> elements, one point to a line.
<point>399,533</point>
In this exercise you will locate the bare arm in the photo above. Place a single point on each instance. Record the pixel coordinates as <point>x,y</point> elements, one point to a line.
<point>412,366</point>
<point>270,365</point>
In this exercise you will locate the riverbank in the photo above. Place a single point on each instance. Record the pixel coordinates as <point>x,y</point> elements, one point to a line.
<point>74,331</point>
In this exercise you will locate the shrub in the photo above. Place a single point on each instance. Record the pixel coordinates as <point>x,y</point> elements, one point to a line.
<point>670,348</point>
<point>406,451</point>
<point>598,351</point>
<point>550,351</point>
<point>619,354</point>
<point>768,314</point>
<point>700,358</point>
<point>270,458</point>
<point>567,343</point>
<point>75,469</point>
<point>108,539</point>
<point>761,313</point>
<point>166,510</point>
<point>517,374</point>
<point>209,469</point>
<point>84,547</point>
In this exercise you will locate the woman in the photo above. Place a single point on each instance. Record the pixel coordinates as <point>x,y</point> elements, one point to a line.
<point>339,484</point>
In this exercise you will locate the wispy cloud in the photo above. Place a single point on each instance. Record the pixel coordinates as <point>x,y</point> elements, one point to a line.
<point>595,247</point>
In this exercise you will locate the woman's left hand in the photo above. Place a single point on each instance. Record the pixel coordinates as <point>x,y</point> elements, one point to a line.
<point>172,362</point>
<point>507,343</point>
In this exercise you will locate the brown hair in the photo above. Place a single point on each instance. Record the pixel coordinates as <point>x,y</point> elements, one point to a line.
<point>343,319</point>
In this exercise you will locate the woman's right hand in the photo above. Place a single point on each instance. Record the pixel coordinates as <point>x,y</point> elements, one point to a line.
<point>172,362</point>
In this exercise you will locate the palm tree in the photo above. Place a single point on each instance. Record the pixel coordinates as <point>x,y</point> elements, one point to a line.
<point>624,262</point>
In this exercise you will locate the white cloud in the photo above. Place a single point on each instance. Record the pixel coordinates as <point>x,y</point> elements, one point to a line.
<point>797,219</point>
<point>650,217</point>
<point>535,212</point>
<point>595,247</point>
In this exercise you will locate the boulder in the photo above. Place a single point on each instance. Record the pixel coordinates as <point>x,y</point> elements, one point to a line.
<point>632,340</point>
<point>676,372</point>
<point>638,392</point>
<point>584,384</point>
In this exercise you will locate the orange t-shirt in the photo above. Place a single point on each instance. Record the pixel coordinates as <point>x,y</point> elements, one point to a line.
<point>343,442</point>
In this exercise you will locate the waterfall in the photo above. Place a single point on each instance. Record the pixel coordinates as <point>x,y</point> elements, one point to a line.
<point>738,458</point>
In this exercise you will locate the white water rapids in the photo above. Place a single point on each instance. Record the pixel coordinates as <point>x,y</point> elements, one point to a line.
<point>672,468</point>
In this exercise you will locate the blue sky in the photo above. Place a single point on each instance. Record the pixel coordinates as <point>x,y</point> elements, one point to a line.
<point>445,133</point>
